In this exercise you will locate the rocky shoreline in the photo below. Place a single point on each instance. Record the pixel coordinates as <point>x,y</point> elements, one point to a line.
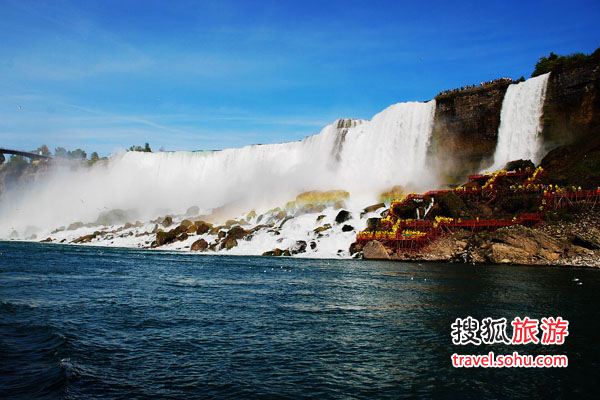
<point>560,243</point>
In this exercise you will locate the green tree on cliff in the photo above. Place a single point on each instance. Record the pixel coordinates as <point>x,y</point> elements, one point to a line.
<point>61,152</point>
<point>555,62</point>
<point>145,149</point>
<point>94,156</point>
<point>43,150</point>
<point>78,154</point>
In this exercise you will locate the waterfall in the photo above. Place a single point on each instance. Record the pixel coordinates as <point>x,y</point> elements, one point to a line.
<point>362,157</point>
<point>520,122</point>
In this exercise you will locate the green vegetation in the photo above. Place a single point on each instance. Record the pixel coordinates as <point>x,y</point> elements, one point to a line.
<point>77,154</point>
<point>16,162</point>
<point>43,150</point>
<point>556,63</point>
<point>145,149</point>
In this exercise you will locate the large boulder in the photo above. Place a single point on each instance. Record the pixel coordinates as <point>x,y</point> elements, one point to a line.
<point>168,221</point>
<point>86,238</point>
<point>322,228</point>
<point>163,238</point>
<point>229,243</point>
<point>233,235</point>
<point>517,165</point>
<point>520,245</point>
<point>237,232</point>
<point>343,216</point>
<point>372,208</point>
<point>277,253</point>
<point>199,245</point>
<point>589,240</point>
<point>299,247</point>
<point>202,227</point>
<point>374,250</point>
<point>179,233</point>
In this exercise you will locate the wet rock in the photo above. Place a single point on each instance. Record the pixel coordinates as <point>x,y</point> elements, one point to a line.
<point>374,250</point>
<point>517,165</point>
<point>215,230</point>
<point>213,246</point>
<point>167,221</point>
<point>373,223</point>
<point>86,238</point>
<point>277,253</point>
<point>237,232</point>
<point>177,234</point>
<point>229,243</point>
<point>355,247</point>
<point>372,208</point>
<point>320,217</point>
<point>587,241</point>
<point>313,245</point>
<point>342,216</point>
<point>257,228</point>
<point>47,240</point>
<point>163,238</point>
<point>286,219</point>
<point>187,223</point>
<point>202,227</point>
<point>347,228</point>
<point>322,228</point>
<point>299,247</point>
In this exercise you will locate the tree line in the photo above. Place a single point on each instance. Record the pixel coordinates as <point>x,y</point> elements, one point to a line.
<point>61,152</point>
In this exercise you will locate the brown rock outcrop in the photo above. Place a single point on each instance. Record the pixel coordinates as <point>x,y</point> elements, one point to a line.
<point>374,250</point>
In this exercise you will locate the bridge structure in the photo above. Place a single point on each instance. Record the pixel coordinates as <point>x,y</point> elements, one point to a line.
<point>25,154</point>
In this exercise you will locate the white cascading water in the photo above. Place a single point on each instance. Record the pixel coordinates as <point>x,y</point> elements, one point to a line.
<point>520,122</point>
<point>362,157</point>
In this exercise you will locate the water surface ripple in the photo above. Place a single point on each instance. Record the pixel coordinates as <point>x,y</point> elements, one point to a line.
<point>86,322</point>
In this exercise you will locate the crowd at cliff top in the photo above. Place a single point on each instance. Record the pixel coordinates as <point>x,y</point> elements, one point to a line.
<point>473,86</point>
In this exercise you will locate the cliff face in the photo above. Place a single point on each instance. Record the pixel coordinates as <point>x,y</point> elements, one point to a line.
<point>572,106</point>
<point>572,125</point>
<point>465,130</point>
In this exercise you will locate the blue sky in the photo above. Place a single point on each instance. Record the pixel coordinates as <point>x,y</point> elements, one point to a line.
<point>191,75</point>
